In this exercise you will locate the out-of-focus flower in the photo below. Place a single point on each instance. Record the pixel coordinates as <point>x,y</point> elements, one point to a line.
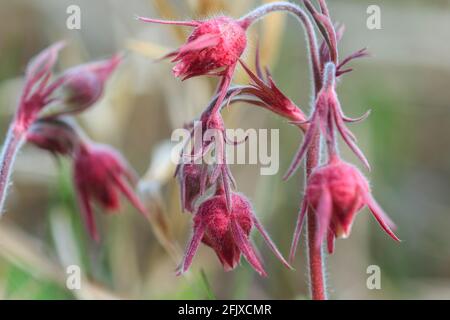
<point>190,177</point>
<point>336,192</point>
<point>102,174</point>
<point>83,85</point>
<point>57,136</point>
<point>227,233</point>
<point>37,92</point>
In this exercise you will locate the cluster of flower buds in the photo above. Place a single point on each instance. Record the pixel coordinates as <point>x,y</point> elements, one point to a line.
<point>75,89</point>
<point>336,191</point>
<point>223,220</point>
<point>100,173</point>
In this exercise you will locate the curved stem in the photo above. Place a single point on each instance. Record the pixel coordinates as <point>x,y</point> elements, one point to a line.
<point>263,10</point>
<point>11,146</point>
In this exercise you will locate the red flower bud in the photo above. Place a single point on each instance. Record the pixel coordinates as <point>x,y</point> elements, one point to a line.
<point>101,174</point>
<point>55,135</point>
<point>83,85</point>
<point>227,233</point>
<point>36,92</point>
<point>269,95</point>
<point>190,178</point>
<point>336,192</point>
<point>214,44</point>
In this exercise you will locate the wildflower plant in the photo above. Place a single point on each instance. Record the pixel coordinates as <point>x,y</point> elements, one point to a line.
<point>223,218</point>
<point>335,190</point>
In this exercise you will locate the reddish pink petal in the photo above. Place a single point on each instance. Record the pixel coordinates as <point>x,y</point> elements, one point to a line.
<point>298,229</point>
<point>382,218</point>
<point>192,248</point>
<point>203,179</point>
<point>202,42</point>
<point>246,248</point>
<point>227,189</point>
<point>347,138</point>
<point>178,23</point>
<point>269,241</point>
<point>358,54</point>
<point>257,80</point>
<point>88,214</point>
<point>359,119</point>
<point>309,136</point>
<point>41,65</point>
<point>323,215</point>
<point>131,195</point>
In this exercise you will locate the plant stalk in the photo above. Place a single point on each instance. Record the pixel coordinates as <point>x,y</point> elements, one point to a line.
<point>14,140</point>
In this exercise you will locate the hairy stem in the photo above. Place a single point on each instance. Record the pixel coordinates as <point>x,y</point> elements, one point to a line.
<point>316,267</point>
<point>263,10</point>
<point>11,146</point>
<point>315,258</point>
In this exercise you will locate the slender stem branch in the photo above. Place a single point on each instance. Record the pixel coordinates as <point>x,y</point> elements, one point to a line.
<point>11,146</point>
<point>263,10</point>
<point>315,258</point>
<point>316,267</point>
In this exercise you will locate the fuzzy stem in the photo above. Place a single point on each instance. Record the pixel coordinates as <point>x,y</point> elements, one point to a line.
<point>263,10</point>
<point>316,267</point>
<point>11,146</point>
<point>315,259</point>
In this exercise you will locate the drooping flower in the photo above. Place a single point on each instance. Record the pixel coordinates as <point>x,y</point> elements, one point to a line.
<point>189,179</point>
<point>336,192</point>
<point>214,46</point>
<point>328,116</point>
<point>58,136</point>
<point>227,233</point>
<point>37,91</point>
<point>100,173</point>
<point>83,85</point>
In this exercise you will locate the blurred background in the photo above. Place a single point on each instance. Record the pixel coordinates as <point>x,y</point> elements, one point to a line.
<point>406,83</point>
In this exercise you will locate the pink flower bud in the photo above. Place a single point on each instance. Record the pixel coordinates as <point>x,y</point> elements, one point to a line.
<point>101,174</point>
<point>36,92</point>
<point>336,192</point>
<point>55,135</point>
<point>227,233</point>
<point>214,44</point>
<point>190,179</point>
<point>83,85</point>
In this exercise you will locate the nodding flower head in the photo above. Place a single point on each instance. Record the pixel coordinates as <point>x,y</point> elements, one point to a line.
<point>214,44</point>
<point>37,90</point>
<point>83,85</point>
<point>190,177</point>
<point>57,136</point>
<point>101,174</point>
<point>227,233</point>
<point>336,192</point>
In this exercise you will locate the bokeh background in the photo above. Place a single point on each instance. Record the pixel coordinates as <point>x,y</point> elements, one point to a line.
<point>406,83</point>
